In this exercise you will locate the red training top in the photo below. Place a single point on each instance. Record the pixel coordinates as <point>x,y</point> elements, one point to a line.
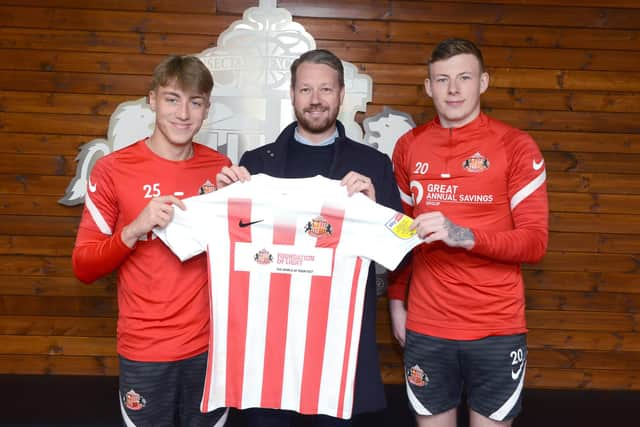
<point>489,177</point>
<point>163,303</point>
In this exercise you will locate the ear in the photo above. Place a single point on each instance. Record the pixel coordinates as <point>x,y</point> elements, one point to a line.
<point>151,99</point>
<point>484,82</point>
<point>342,91</point>
<point>427,87</point>
<point>291,94</point>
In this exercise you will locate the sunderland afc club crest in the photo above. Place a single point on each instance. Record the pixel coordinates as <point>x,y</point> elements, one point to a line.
<point>318,227</point>
<point>416,376</point>
<point>476,163</point>
<point>207,188</point>
<point>263,257</point>
<point>134,401</point>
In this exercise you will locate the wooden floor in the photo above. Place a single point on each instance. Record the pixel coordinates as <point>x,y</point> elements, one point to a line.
<point>56,401</point>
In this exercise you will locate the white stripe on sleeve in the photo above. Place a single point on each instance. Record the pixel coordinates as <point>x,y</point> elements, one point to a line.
<point>97,216</point>
<point>528,189</point>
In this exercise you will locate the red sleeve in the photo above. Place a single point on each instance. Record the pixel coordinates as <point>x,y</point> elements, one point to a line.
<point>99,249</point>
<point>398,282</point>
<point>527,241</point>
<point>96,254</point>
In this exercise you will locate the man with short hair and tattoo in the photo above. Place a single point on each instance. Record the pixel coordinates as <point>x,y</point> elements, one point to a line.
<point>477,190</point>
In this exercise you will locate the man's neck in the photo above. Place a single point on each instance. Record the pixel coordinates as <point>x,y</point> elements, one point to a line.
<point>310,138</point>
<point>166,150</point>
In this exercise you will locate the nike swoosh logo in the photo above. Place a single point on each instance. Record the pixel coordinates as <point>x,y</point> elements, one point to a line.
<point>516,374</point>
<point>246,224</point>
<point>538,165</point>
<point>92,187</point>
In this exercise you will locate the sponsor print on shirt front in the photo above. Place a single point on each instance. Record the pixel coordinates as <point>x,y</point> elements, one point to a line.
<point>288,259</point>
<point>445,193</point>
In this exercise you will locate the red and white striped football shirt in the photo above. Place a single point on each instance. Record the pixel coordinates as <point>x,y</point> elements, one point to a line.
<point>288,263</point>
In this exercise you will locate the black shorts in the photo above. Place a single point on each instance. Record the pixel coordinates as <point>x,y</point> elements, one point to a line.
<point>490,370</point>
<point>165,393</point>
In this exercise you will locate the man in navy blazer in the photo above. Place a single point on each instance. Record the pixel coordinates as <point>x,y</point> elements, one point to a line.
<point>316,144</point>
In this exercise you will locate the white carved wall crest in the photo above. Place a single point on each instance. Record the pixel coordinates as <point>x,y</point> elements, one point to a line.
<point>250,99</point>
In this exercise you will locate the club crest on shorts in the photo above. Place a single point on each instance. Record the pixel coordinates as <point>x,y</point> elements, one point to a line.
<point>207,188</point>
<point>476,163</point>
<point>400,225</point>
<point>318,227</point>
<point>416,376</point>
<point>134,401</point>
<point>263,257</point>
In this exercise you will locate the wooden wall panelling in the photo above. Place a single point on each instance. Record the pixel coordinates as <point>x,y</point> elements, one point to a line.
<point>579,222</point>
<point>59,365</point>
<point>38,225</point>
<point>36,245</point>
<point>536,278</point>
<point>34,143</point>
<point>114,42</point>
<point>90,326</point>
<point>117,84</point>
<point>605,203</point>
<point>628,4</point>
<point>58,345</point>
<point>28,305</point>
<point>34,185</point>
<point>66,103</point>
<point>555,14</point>
<point>56,286</point>
<point>32,205</point>
<point>563,70</point>
<point>596,242</point>
<point>515,14</point>
<point>112,20</point>
<point>41,223</point>
<point>184,6</point>
<point>600,142</point>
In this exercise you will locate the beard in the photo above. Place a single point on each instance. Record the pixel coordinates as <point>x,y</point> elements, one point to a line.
<point>320,125</point>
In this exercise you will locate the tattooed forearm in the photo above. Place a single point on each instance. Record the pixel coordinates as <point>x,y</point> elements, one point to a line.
<point>461,235</point>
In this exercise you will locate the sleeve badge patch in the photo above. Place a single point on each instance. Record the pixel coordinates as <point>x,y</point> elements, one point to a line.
<point>400,225</point>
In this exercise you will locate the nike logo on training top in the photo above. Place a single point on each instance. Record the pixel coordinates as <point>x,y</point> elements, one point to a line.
<point>92,187</point>
<point>538,165</point>
<point>246,224</point>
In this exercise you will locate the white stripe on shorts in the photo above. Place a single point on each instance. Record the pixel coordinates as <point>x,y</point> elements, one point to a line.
<point>415,403</point>
<point>125,417</point>
<point>504,410</point>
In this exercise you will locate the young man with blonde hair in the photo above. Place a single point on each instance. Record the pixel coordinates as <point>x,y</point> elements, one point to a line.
<point>163,322</point>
